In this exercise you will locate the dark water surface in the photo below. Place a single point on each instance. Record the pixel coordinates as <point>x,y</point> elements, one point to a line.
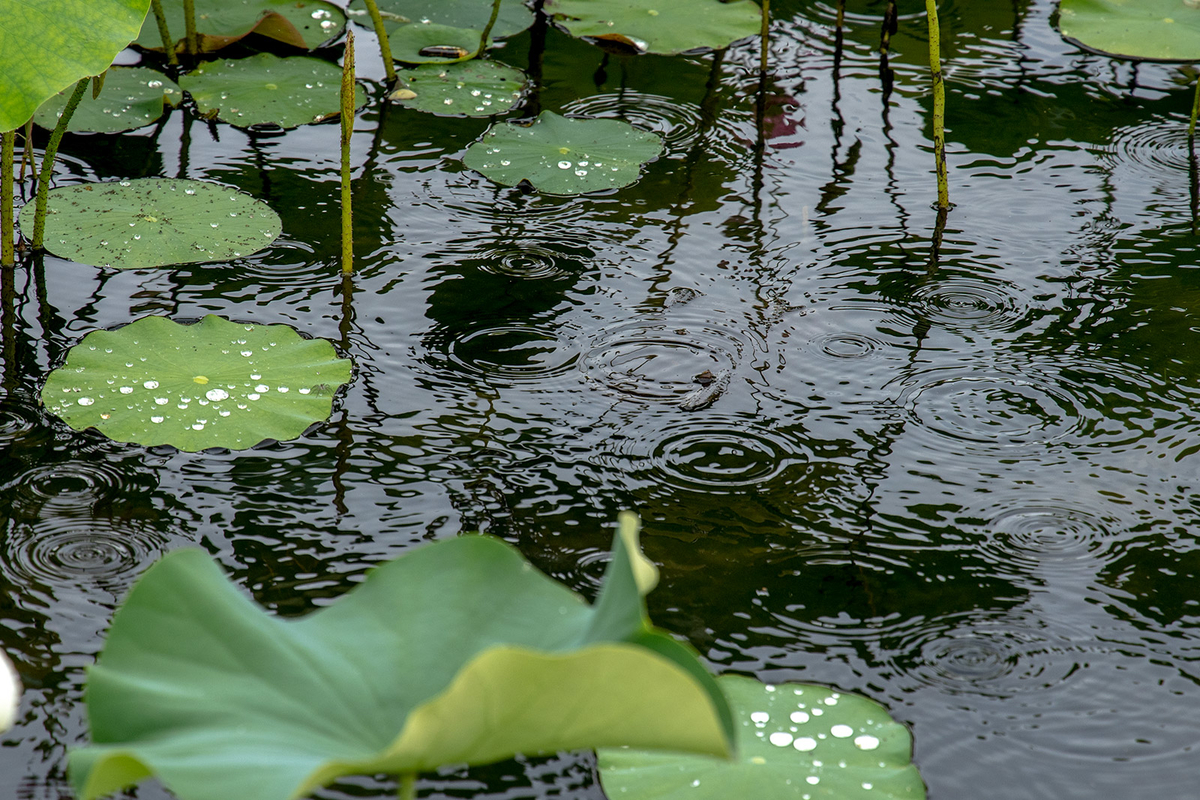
<point>961,480</point>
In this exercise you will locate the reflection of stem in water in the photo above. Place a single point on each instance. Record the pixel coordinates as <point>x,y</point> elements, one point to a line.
<point>385,46</point>
<point>39,217</point>
<point>939,105</point>
<point>1195,109</point>
<point>935,245</point>
<point>345,435</point>
<point>537,52</point>
<point>347,131</point>
<point>8,328</point>
<point>487,30</point>
<point>1193,181</point>
<point>886,32</point>
<point>164,32</point>
<point>8,141</point>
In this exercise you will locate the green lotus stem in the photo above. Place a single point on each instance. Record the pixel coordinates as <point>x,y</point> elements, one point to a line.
<point>408,786</point>
<point>347,130</point>
<point>27,152</point>
<point>841,14</point>
<point>385,47</point>
<point>1195,109</point>
<point>939,105</point>
<point>487,29</point>
<point>8,140</point>
<point>39,215</point>
<point>766,29</point>
<point>189,21</point>
<point>160,17</point>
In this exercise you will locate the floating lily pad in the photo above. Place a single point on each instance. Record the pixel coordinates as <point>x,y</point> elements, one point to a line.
<point>306,24</point>
<point>430,43</point>
<point>564,156</point>
<point>659,26</point>
<point>1162,30</point>
<point>45,48</point>
<point>456,652</point>
<point>793,740</point>
<point>153,222</point>
<point>132,97</point>
<point>212,384</point>
<point>266,90</point>
<point>514,15</point>
<point>474,88</point>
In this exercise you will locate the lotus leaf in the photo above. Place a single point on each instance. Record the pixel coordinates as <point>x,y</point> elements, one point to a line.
<point>456,652</point>
<point>10,692</point>
<point>430,43</point>
<point>659,26</point>
<point>514,15</point>
<point>152,222</point>
<point>212,384</point>
<point>306,24</point>
<point>558,155</point>
<point>267,90</point>
<point>794,740</point>
<point>48,45</point>
<point>1162,30</point>
<point>474,88</point>
<point>132,97</point>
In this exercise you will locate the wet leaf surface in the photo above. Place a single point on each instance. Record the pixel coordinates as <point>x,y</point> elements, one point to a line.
<point>558,155</point>
<point>659,26</point>
<point>132,97</point>
<point>212,384</point>
<point>473,88</point>
<point>153,222</point>
<point>1167,30</point>
<point>305,24</point>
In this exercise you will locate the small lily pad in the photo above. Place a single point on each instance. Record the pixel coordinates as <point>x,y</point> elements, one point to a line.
<point>152,222</point>
<point>212,384</point>
<point>306,24</point>
<point>793,740</point>
<point>558,155</point>
<point>266,90</point>
<point>513,18</point>
<point>474,88</point>
<point>1162,30</point>
<point>659,26</point>
<point>431,43</point>
<point>132,97</point>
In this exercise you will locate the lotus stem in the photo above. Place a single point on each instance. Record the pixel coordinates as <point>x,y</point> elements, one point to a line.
<point>39,216</point>
<point>1195,109</point>
<point>160,17</point>
<point>408,786</point>
<point>841,14</point>
<point>8,140</point>
<point>27,152</point>
<point>385,47</point>
<point>888,29</point>
<point>766,31</point>
<point>347,130</point>
<point>939,105</point>
<point>189,22</point>
<point>487,29</point>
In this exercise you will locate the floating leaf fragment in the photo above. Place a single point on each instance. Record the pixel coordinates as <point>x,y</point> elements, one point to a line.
<point>212,384</point>
<point>558,155</point>
<point>152,222</point>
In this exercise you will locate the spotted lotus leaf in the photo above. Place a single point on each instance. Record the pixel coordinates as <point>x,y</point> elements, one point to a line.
<point>212,384</point>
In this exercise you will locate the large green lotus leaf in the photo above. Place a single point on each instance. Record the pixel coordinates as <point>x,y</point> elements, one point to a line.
<point>46,46</point>
<point>564,156</point>
<point>212,384</point>
<point>794,741</point>
<point>152,222</point>
<point>660,26</point>
<point>267,90</point>
<point>1165,30</point>
<point>132,97</point>
<point>306,24</point>
<point>456,652</point>
<point>474,88</point>
<point>513,18</point>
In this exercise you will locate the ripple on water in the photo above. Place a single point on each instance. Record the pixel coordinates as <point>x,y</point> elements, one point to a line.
<point>1050,537</point>
<point>962,303</point>
<point>18,418</point>
<point>659,361</point>
<point>508,354</point>
<point>530,260</point>
<point>79,550</point>
<point>1156,148</point>
<point>992,409</point>
<point>65,486</point>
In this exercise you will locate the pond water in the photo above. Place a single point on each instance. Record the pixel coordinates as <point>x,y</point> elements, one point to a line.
<point>958,477</point>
